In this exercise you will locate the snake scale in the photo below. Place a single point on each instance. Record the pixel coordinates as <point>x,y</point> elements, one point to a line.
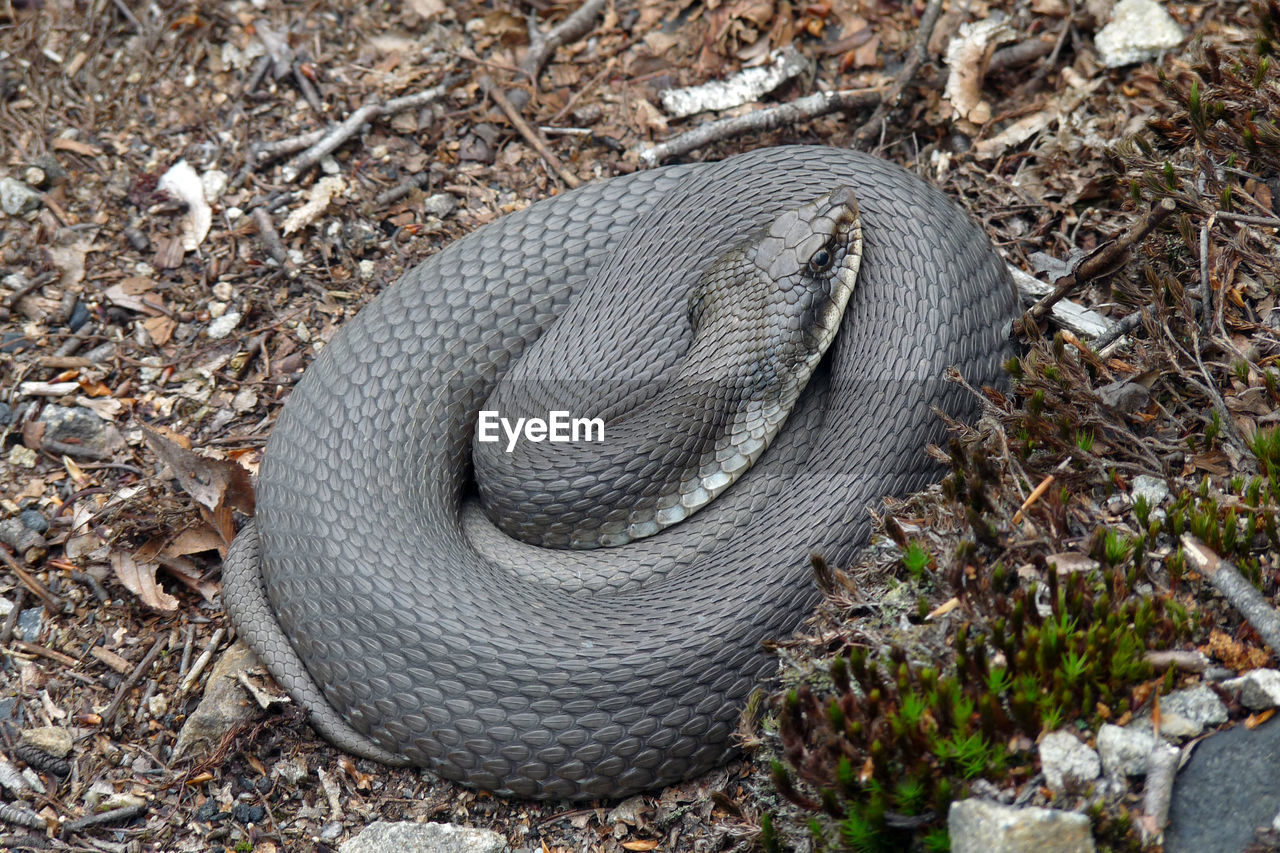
<point>387,603</point>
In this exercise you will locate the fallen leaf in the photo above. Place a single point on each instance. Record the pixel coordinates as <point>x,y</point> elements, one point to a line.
<point>640,845</point>
<point>160,329</point>
<point>140,579</point>
<point>194,540</point>
<point>218,486</point>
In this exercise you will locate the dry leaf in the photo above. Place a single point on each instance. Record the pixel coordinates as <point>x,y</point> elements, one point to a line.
<point>160,329</point>
<point>217,485</point>
<point>194,540</point>
<point>140,579</point>
<point>639,845</point>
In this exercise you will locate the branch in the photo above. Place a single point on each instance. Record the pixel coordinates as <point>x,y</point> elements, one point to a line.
<point>529,133</point>
<point>810,106</point>
<point>1242,595</point>
<point>892,99</point>
<point>541,46</point>
<point>1101,260</point>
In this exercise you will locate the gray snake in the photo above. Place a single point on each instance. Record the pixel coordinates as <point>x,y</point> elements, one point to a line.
<point>414,631</point>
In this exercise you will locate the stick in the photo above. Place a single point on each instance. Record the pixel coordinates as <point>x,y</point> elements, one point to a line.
<point>109,715</point>
<point>51,601</point>
<point>1036,494</point>
<point>530,134</point>
<point>1242,595</point>
<point>115,815</point>
<point>570,29</point>
<point>893,98</point>
<point>354,123</point>
<point>1162,766</point>
<point>810,106</point>
<point>1102,259</point>
<point>202,661</point>
<point>269,236</point>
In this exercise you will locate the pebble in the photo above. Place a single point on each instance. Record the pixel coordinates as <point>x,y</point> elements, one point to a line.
<point>33,520</point>
<point>1124,751</point>
<point>981,826</point>
<point>54,740</point>
<point>1139,30</point>
<point>1259,690</point>
<point>1068,764</point>
<point>16,198</point>
<point>291,770</point>
<point>1154,489</point>
<point>1187,713</point>
<point>76,424</point>
<point>245,813</point>
<point>440,204</point>
<point>224,325</point>
<point>79,316</point>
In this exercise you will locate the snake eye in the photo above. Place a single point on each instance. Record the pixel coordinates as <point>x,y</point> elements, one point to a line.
<point>821,261</point>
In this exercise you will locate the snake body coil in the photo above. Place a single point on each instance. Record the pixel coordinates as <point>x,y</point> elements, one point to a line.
<point>384,600</point>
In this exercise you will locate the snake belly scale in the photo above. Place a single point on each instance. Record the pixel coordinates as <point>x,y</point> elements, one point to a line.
<point>385,601</point>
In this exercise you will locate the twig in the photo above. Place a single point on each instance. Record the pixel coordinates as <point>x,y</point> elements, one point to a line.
<point>44,652</point>
<point>1267,221</point>
<point>893,98</point>
<point>810,106</point>
<point>26,288</point>
<point>1117,330</point>
<point>1162,766</point>
<point>132,18</point>
<point>109,715</point>
<point>51,601</point>
<point>79,451</point>
<point>270,237</point>
<point>114,816</point>
<point>354,123</point>
<point>1102,259</point>
<point>529,133</point>
<point>1020,54</point>
<point>202,661</point>
<point>402,189</point>
<point>1242,595</point>
<point>11,621</point>
<point>187,644</point>
<point>1036,494</point>
<point>541,45</point>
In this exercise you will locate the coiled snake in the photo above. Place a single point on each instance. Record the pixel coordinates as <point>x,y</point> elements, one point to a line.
<point>415,631</point>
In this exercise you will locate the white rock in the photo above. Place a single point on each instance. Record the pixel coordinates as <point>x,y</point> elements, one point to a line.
<point>981,826</point>
<point>1186,713</point>
<point>1259,690</point>
<point>1154,489</point>
<point>224,325</point>
<point>16,198</point>
<point>1125,750</point>
<point>1139,30</point>
<point>410,837</point>
<point>1068,764</point>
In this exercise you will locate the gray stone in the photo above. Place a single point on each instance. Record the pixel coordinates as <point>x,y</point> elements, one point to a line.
<point>223,705</point>
<point>410,837</point>
<point>1259,690</point>
<point>1124,751</point>
<point>224,325</point>
<point>16,198</point>
<point>1068,765</point>
<point>1229,788</point>
<point>980,826</point>
<point>440,204</point>
<point>78,425</point>
<point>1187,713</point>
<point>1139,30</point>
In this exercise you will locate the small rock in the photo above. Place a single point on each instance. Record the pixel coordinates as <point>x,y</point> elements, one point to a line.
<point>79,316</point>
<point>16,198</point>
<point>1124,751</point>
<point>245,813</point>
<point>1187,713</point>
<point>1124,395</point>
<point>224,703</point>
<point>1154,489</point>
<point>440,204</point>
<point>1259,690</point>
<point>1068,765</point>
<point>122,800</point>
<point>224,325</point>
<point>410,837</point>
<point>54,740</point>
<point>979,826</point>
<point>1139,30</point>
<point>30,622</point>
<point>21,456</point>
<point>78,425</point>
<point>33,520</point>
